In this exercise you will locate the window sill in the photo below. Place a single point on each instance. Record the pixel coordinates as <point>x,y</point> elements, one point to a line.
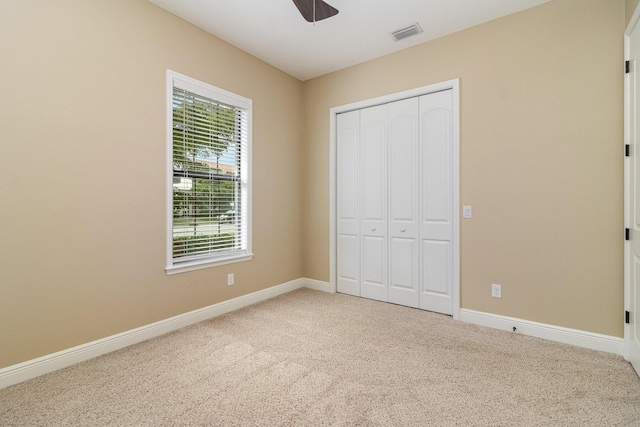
<point>200,264</point>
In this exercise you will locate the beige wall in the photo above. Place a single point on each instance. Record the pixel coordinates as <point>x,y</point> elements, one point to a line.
<point>541,158</point>
<point>82,171</point>
<point>630,7</point>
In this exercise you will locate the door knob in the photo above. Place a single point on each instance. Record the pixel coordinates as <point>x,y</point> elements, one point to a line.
<point>373,229</point>
<point>402,230</point>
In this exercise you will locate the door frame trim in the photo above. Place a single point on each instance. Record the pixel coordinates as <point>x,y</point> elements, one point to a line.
<point>454,85</point>
<point>635,21</point>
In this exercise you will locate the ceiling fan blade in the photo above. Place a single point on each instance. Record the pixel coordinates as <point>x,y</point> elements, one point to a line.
<point>323,10</point>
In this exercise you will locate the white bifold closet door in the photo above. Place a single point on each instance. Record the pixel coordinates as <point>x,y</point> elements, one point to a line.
<point>394,210</point>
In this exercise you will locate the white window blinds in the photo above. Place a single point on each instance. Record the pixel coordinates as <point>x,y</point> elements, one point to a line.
<point>209,168</point>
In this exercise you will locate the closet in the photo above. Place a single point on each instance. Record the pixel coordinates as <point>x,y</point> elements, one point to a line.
<point>395,202</point>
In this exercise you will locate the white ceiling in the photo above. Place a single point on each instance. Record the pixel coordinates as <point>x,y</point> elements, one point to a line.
<point>274,30</point>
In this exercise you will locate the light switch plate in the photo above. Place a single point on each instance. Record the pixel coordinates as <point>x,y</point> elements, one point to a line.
<point>467,212</point>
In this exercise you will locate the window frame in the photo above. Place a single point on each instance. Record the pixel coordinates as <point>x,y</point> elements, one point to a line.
<point>189,84</point>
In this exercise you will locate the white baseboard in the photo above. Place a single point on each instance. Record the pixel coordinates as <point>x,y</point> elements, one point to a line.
<point>43,365</point>
<point>318,285</point>
<point>575,337</point>
<point>52,362</point>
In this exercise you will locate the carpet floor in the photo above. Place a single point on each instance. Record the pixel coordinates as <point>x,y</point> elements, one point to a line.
<point>309,358</point>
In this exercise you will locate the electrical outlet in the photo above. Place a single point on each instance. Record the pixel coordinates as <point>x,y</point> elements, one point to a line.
<point>230,279</point>
<point>496,291</point>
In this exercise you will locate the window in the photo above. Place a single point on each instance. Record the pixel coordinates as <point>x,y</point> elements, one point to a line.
<point>209,133</point>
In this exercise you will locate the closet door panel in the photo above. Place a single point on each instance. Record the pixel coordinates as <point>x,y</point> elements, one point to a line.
<point>404,280</point>
<point>348,209</point>
<point>348,267</point>
<point>403,161</point>
<point>403,202</point>
<point>436,164</point>
<point>373,226</point>
<point>436,221</point>
<point>435,254</point>
<point>373,156</point>
<point>374,268</point>
<point>436,262</point>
